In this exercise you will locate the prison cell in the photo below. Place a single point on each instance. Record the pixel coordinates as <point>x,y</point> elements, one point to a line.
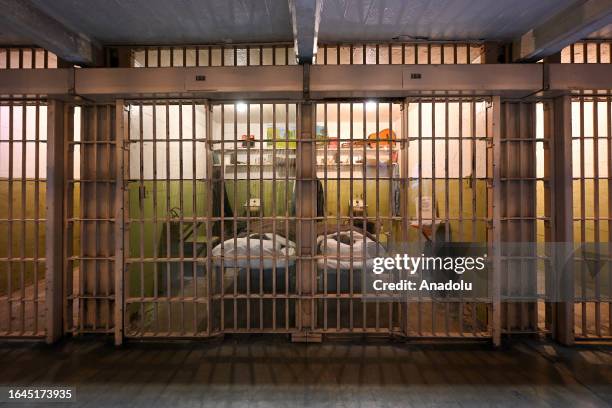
<point>357,162</point>
<point>362,165</point>
<point>213,214</point>
<point>399,53</point>
<point>23,170</point>
<point>165,284</point>
<point>449,175</point>
<point>591,195</point>
<point>211,218</point>
<point>254,155</point>
<point>212,196</point>
<point>90,216</point>
<point>214,56</point>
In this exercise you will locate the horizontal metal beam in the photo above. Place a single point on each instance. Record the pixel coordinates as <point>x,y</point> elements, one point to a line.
<point>565,28</point>
<point>23,18</point>
<point>212,82</point>
<point>36,82</point>
<point>305,17</point>
<point>326,81</point>
<point>569,77</point>
<point>511,80</point>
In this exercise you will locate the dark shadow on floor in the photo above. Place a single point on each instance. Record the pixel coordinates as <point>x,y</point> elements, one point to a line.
<point>268,372</point>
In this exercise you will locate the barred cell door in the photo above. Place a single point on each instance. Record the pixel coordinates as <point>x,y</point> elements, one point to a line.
<point>166,203</point>
<point>23,219</point>
<point>448,171</point>
<point>358,149</point>
<point>210,229</point>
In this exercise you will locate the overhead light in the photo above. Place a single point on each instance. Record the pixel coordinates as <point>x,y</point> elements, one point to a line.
<point>241,107</point>
<point>370,105</point>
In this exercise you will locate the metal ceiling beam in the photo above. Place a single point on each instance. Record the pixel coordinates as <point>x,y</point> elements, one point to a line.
<point>23,18</point>
<point>565,28</point>
<point>326,81</point>
<point>305,17</point>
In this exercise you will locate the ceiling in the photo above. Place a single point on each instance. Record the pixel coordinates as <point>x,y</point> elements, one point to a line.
<point>382,20</point>
<point>174,21</point>
<point>251,21</point>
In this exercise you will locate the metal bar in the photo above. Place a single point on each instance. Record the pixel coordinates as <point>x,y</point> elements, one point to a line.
<point>595,136</point>
<point>37,206</point>
<point>495,132</point>
<point>557,123</point>
<point>119,228</point>
<point>56,121</point>
<point>156,234</point>
<point>181,220</point>
<point>583,304</point>
<point>168,188</point>
<point>305,209</point>
<point>209,211</point>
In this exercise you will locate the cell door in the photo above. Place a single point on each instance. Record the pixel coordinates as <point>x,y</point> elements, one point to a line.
<point>448,168</point>
<point>210,203</point>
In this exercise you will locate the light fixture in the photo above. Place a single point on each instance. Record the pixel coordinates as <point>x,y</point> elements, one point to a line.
<point>241,107</point>
<point>370,105</point>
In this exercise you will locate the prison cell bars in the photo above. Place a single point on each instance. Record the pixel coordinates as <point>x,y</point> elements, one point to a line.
<point>399,53</point>
<point>350,219</point>
<point>587,52</point>
<point>164,294</point>
<point>591,136</point>
<point>229,309</point>
<point>23,218</point>
<point>239,296</point>
<point>583,153</point>
<point>346,296</point>
<point>211,56</point>
<point>467,132</point>
<point>26,58</point>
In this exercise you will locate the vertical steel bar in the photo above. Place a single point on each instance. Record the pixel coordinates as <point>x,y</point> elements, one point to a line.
<point>56,132</point>
<point>495,123</point>
<point>36,215</point>
<point>596,221</point>
<point>168,220</point>
<point>120,119</point>
<point>583,205</point>
<point>156,233</point>
<point>22,246</point>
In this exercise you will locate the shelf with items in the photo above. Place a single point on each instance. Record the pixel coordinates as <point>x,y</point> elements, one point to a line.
<point>248,164</point>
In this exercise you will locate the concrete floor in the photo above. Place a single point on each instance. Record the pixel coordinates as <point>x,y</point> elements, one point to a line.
<point>271,372</point>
